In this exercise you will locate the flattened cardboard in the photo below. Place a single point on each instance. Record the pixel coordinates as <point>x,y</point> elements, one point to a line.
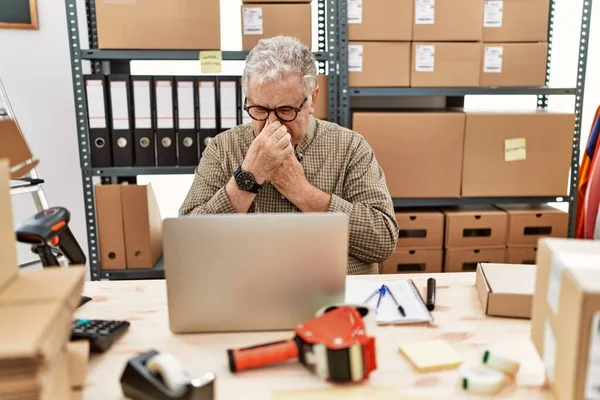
<point>523,64</point>
<point>413,261</point>
<point>384,20</point>
<point>454,20</point>
<point>159,24</point>
<point>431,140</point>
<point>506,290</point>
<point>281,19</point>
<point>529,223</point>
<point>467,259</point>
<point>455,64</point>
<point>420,229</point>
<point>142,225</point>
<point>8,256</point>
<point>543,168</point>
<point>111,236</point>
<point>521,254</point>
<point>476,226</point>
<point>321,106</point>
<point>522,21</point>
<point>394,72</point>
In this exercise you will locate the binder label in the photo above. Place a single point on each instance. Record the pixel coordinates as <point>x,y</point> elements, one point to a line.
<point>95,101</point>
<point>185,102</point>
<point>355,11</point>
<point>141,103</point>
<point>493,14</point>
<point>164,105</point>
<point>355,57</point>
<point>425,59</point>
<point>424,12</point>
<point>228,105</point>
<point>120,109</point>
<point>253,21</point>
<point>208,105</point>
<point>493,59</point>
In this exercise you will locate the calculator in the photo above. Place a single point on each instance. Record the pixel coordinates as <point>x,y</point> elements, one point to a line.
<point>99,332</point>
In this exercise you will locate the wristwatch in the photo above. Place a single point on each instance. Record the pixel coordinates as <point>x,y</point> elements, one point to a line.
<point>246,181</point>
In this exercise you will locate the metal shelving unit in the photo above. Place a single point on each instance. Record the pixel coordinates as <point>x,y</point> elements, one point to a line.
<point>128,55</point>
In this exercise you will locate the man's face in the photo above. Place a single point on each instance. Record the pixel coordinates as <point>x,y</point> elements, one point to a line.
<point>286,92</point>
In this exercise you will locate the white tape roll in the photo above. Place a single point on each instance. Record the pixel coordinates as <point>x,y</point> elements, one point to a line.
<point>500,363</point>
<point>170,370</point>
<point>478,378</point>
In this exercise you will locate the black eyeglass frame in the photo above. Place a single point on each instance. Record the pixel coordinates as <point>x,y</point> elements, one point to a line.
<point>269,110</point>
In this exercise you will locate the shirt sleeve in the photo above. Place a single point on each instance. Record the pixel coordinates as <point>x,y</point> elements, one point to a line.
<point>207,194</point>
<point>367,202</point>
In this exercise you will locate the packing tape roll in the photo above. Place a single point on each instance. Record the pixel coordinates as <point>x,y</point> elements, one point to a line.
<point>500,363</point>
<point>478,378</point>
<point>367,313</point>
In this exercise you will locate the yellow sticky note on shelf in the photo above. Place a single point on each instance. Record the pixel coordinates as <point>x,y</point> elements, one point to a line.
<point>340,393</point>
<point>515,149</point>
<point>210,61</point>
<point>432,355</point>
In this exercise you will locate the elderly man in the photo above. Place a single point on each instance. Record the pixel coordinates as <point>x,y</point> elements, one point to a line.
<point>288,161</point>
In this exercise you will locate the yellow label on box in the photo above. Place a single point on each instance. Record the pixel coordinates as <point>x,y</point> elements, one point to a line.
<point>515,149</point>
<point>210,61</point>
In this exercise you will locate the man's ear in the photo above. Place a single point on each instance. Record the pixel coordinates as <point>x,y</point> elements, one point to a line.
<point>314,97</point>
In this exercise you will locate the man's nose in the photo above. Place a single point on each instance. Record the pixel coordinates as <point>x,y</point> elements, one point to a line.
<point>273,117</point>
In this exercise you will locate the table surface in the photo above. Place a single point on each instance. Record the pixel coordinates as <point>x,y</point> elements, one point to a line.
<point>459,320</point>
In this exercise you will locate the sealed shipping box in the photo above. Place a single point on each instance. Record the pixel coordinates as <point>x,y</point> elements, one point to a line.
<point>514,64</point>
<point>413,261</point>
<point>379,64</point>
<point>159,24</point>
<point>420,152</point>
<point>261,21</point>
<point>420,229</point>
<point>475,226</point>
<point>448,20</point>
<point>527,223</point>
<point>380,20</point>
<point>506,290</point>
<point>517,154</point>
<point>466,259</point>
<point>515,21</point>
<point>445,64</point>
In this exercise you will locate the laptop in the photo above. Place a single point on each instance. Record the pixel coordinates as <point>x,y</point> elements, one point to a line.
<point>253,272</point>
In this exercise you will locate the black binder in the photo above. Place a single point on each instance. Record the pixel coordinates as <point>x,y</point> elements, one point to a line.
<point>166,142</point>
<point>207,111</point>
<point>229,93</point>
<point>120,110</point>
<point>186,120</point>
<point>97,111</point>
<point>143,122</point>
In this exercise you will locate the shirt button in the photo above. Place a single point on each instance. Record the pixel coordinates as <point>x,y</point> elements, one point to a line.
<point>282,197</point>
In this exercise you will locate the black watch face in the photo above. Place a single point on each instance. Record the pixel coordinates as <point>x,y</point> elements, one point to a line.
<point>245,180</point>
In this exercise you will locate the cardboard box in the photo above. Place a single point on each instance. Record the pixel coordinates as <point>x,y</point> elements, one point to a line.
<point>475,226</point>
<point>380,20</point>
<point>514,64</point>
<point>15,149</point>
<point>413,261</point>
<point>111,238</point>
<point>527,223</point>
<point>418,151</point>
<point>445,64</point>
<point>506,290</point>
<point>515,21</point>
<point>521,254</point>
<point>78,356</point>
<point>517,154</point>
<point>276,1</point>
<point>261,21</point>
<point>374,64</point>
<point>321,106</point>
<point>420,229</point>
<point>159,24</point>
<point>448,20</point>
<point>466,259</point>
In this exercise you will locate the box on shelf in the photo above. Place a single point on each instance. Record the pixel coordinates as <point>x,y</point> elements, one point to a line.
<point>413,261</point>
<point>527,223</point>
<point>419,229</point>
<point>372,64</point>
<point>521,254</point>
<point>418,151</point>
<point>514,64</point>
<point>515,21</point>
<point>475,226</point>
<point>109,217</point>
<point>445,64</point>
<point>382,20</point>
<point>466,259</point>
<point>261,21</point>
<point>506,290</point>
<point>517,154</point>
<point>159,24</point>
<point>321,106</point>
<point>448,20</point>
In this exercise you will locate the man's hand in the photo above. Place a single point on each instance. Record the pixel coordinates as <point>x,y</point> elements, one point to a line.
<point>289,175</point>
<point>268,151</point>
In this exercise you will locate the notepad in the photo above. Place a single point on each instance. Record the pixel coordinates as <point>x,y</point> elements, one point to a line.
<point>431,355</point>
<point>405,292</point>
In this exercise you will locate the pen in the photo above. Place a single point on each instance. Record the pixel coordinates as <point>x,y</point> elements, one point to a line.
<point>430,294</point>
<point>381,294</point>
<point>400,308</point>
<point>372,295</point>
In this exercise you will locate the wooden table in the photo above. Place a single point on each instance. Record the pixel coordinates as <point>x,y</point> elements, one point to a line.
<point>459,319</point>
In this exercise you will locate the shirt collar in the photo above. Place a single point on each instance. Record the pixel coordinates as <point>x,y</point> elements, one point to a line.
<point>307,139</point>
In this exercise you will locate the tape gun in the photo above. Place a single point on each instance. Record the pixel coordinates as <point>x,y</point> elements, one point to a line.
<point>159,376</point>
<point>334,346</point>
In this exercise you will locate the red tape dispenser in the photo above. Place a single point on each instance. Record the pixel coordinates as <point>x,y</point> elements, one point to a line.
<point>334,346</point>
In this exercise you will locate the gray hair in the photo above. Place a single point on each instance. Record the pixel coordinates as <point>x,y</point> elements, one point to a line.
<point>277,56</point>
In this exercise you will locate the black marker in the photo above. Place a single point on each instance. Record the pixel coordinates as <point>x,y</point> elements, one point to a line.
<point>430,294</point>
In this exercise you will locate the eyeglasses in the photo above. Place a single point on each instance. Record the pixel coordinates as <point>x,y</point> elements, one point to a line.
<point>285,113</point>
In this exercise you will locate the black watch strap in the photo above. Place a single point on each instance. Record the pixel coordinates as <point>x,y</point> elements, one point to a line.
<point>255,188</point>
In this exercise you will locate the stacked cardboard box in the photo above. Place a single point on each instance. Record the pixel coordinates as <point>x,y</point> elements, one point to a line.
<point>565,326</point>
<point>267,18</point>
<point>419,245</point>
<point>474,235</point>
